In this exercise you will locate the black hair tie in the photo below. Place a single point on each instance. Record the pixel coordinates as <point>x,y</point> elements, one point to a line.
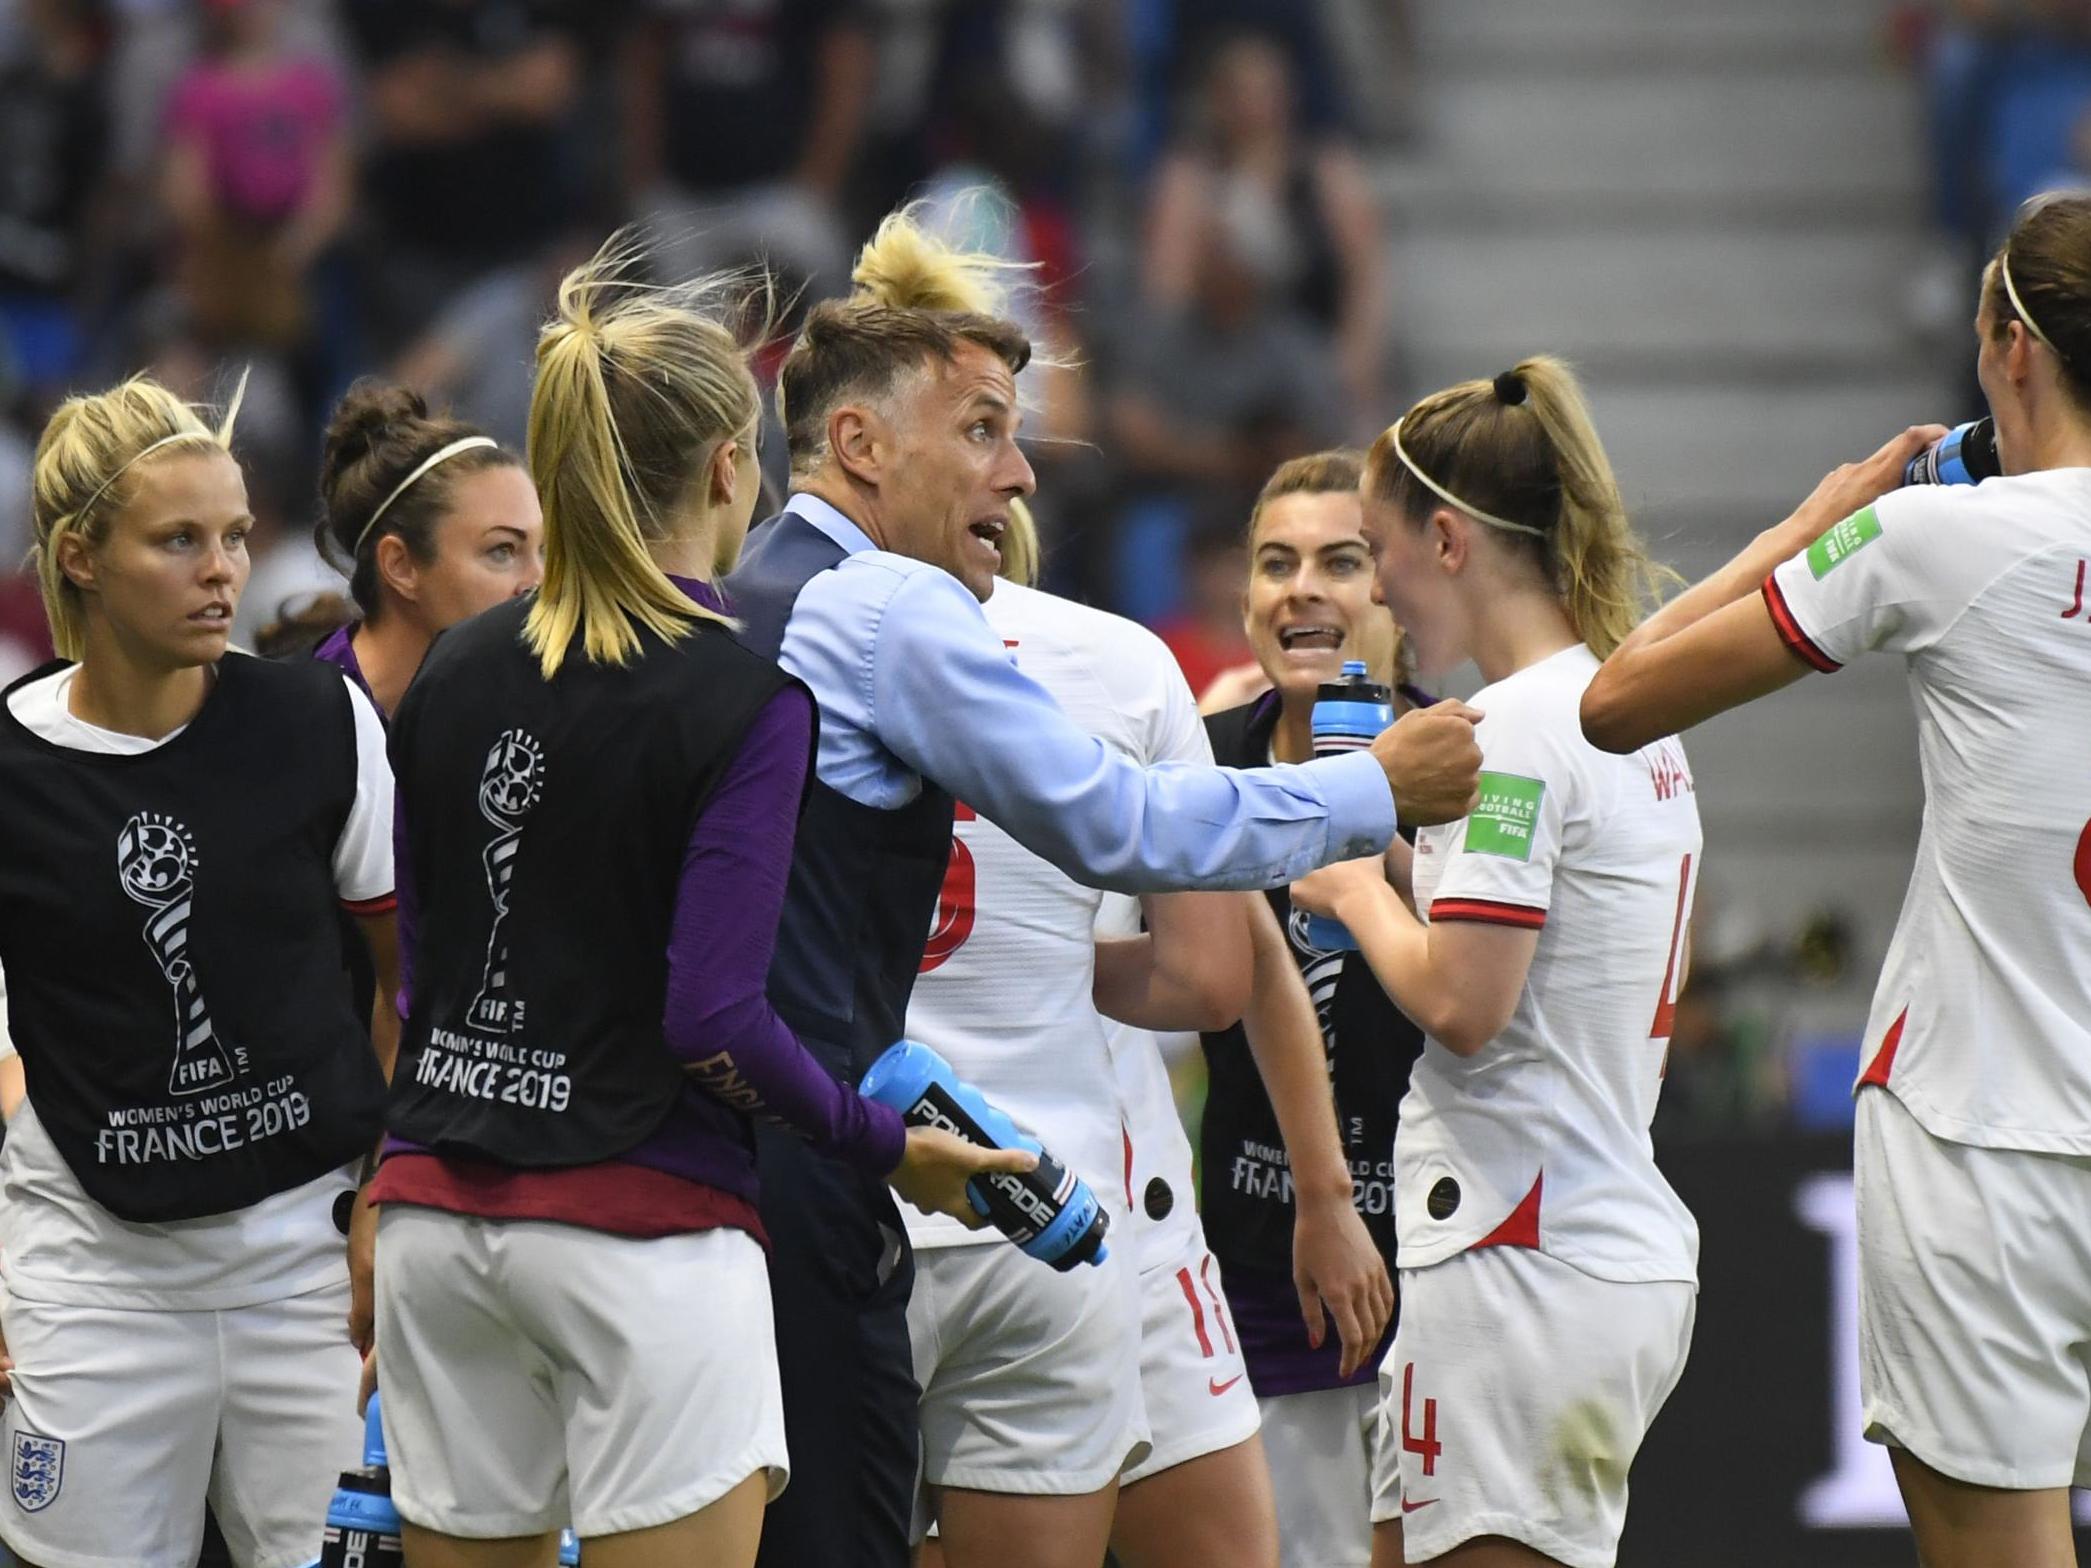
<point>1510,388</point>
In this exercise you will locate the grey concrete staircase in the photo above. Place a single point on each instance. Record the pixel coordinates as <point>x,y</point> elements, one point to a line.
<point>1713,209</point>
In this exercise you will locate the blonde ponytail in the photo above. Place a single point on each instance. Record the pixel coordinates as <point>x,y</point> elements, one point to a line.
<point>916,300</point>
<point>906,267</point>
<point>86,471</point>
<point>1022,556</point>
<point>636,387</point>
<point>1522,455</point>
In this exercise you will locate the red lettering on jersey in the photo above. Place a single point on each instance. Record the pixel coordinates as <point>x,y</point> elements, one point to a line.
<point>2083,863</point>
<point>957,900</point>
<point>2076,605</point>
<point>1667,770</point>
<point>1427,1443</point>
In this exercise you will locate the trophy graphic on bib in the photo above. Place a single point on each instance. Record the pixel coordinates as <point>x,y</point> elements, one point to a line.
<point>509,786</point>
<point>156,862</point>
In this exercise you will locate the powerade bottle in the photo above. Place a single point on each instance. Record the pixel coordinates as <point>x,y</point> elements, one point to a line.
<point>1048,1211</point>
<point>1964,455</point>
<point>1349,713</point>
<point>362,1525</point>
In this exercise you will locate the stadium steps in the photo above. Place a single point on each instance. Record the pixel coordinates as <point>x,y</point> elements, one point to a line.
<point>1714,210</point>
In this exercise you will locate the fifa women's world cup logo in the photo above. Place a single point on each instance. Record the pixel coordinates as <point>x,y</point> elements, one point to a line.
<point>156,862</point>
<point>509,785</point>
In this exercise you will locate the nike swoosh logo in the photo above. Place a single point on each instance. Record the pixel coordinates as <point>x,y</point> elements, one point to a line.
<point>1216,1388</point>
<point>1408,1507</point>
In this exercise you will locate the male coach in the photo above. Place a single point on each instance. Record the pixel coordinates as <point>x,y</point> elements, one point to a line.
<point>902,427</point>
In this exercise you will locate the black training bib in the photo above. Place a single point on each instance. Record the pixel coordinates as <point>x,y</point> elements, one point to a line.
<point>546,824</point>
<point>173,951</point>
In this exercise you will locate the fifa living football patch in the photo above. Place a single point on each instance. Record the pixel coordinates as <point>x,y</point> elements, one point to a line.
<point>1844,541</point>
<point>1503,823</point>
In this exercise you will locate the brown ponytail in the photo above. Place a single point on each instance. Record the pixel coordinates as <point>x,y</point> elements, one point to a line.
<point>2049,252</point>
<point>1523,449</point>
<point>378,435</point>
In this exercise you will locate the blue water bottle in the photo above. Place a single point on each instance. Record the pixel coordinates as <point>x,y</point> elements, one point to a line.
<point>1349,713</point>
<point>1964,455</point>
<point>1048,1211</point>
<point>362,1529</point>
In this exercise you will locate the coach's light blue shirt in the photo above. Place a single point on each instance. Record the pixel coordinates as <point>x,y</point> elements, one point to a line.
<point>912,681</point>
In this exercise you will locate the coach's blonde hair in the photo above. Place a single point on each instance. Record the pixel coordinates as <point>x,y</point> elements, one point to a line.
<point>637,385</point>
<point>92,454</point>
<point>916,298</point>
<point>1537,465</point>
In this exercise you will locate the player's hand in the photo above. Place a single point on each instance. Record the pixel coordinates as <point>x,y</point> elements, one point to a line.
<point>362,1262</point>
<point>936,1165</point>
<point>1844,490</point>
<point>1432,762</point>
<point>367,1384</point>
<point>1340,1275</point>
<point>7,1367</point>
<point>1335,888</point>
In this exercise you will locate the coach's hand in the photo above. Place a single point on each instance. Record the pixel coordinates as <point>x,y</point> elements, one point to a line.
<point>1432,763</point>
<point>362,1262</point>
<point>367,1384</point>
<point>936,1165</point>
<point>1340,1274</point>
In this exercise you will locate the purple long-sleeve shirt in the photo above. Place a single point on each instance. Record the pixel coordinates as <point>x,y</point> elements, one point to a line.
<point>717,1018</point>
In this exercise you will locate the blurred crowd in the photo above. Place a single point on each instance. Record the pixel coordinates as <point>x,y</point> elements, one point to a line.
<point>2007,116</point>
<point>313,189</point>
<point>309,190</point>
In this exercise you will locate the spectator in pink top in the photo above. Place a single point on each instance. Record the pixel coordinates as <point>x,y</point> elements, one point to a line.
<point>257,178</point>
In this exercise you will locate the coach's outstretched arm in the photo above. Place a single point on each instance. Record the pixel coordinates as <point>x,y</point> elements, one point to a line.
<point>949,702</point>
<point>1717,646</point>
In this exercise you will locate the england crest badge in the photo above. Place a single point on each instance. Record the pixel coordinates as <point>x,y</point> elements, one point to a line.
<point>38,1470</point>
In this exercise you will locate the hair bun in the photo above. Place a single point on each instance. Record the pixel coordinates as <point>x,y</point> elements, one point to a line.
<point>369,411</point>
<point>1510,388</point>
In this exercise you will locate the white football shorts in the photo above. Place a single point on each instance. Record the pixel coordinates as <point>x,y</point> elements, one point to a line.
<point>1515,1397</point>
<point>125,1422</point>
<point>1192,1376</point>
<point>535,1373</point>
<point>1974,1301</point>
<point>1028,1375</point>
<point>1324,1449</point>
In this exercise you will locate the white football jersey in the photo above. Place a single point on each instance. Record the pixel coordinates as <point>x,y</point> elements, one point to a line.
<point>1005,988</point>
<point>1156,1148</point>
<point>1541,1139</point>
<point>1981,1024</point>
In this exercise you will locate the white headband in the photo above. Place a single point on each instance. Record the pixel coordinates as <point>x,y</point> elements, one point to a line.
<point>1468,507</point>
<point>142,453</point>
<point>441,454</point>
<point>2017,304</point>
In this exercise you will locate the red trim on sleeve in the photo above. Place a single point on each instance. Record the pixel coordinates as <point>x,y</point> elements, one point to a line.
<point>1521,1228</point>
<point>1790,632</point>
<point>383,904</point>
<point>1489,911</point>
<point>1883,1061</point>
